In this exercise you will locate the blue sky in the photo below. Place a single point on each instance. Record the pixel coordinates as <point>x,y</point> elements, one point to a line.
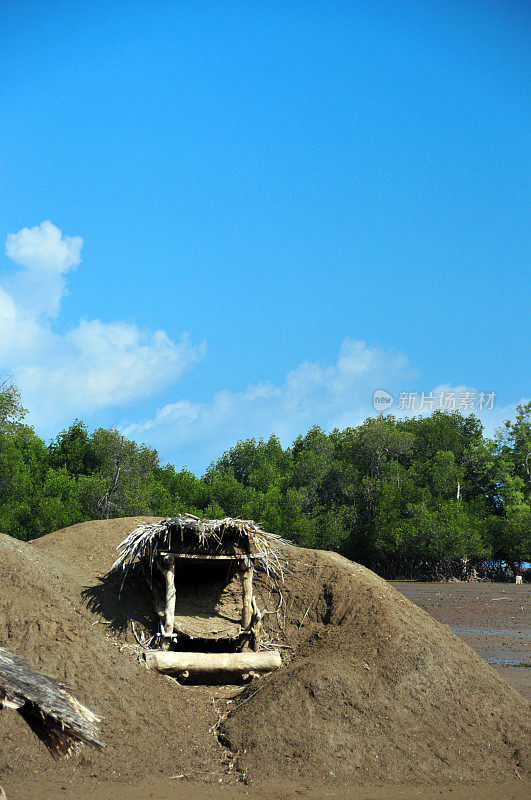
<point>231,219</point>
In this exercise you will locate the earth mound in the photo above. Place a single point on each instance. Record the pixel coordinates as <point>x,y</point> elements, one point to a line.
<point>373,689</point>
<point>150,724</point>
<point>377,691</point>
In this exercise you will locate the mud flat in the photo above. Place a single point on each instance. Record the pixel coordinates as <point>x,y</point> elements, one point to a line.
<point>493,618</point>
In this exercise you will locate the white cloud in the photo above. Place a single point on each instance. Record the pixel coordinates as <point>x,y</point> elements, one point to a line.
<point>93,365</point>
<point>485,405</point>
<point>97,365</point>
<point>44,248</point>
<point>46,256</point>
<point>333,395</point>
<point>336,395</point>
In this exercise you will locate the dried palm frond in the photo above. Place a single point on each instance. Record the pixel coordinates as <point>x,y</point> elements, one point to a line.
<point>233,536</point>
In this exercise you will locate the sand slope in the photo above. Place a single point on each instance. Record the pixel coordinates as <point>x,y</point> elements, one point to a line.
<point>377,691</point>
<point>149,724</point>
<point>373,688</point>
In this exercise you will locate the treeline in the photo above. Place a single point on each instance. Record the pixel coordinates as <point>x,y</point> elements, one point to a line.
<point>421,497</point>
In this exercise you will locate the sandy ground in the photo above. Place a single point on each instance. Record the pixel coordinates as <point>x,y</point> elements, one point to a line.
<point>165,789</point>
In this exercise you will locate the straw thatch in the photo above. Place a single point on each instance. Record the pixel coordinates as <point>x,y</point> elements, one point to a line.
<point>54,715</point>
<point>187,534</point>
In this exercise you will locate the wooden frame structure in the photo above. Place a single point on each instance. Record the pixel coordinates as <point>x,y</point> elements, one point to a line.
<point>251,618</point>
<point>161,546</point>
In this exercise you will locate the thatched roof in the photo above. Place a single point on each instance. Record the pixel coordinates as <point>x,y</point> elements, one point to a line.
<point>54,715</point>
<point>189,535</point>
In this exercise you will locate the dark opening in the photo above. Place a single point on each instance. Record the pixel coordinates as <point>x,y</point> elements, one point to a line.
<point>192,644</point>
<point>199,586</point>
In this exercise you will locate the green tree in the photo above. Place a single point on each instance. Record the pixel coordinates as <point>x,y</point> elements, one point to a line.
<point>11,411</point>
<point>74,450</point>
<point>120,485</point>
<point>514,441</point>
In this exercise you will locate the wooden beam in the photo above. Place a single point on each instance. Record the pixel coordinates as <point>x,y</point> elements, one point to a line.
<point>265,661</point>
<point>246,578</point>
<point>256,625</point>
<point>207,556</point>
<point>167,566</point>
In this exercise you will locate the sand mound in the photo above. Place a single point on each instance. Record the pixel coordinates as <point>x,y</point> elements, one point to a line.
<point>150,725</point>
<point>373,688</point>
<point>376,691</point>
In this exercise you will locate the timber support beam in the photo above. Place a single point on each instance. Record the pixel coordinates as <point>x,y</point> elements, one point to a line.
<point>244,665</point>
<point>167,567</point>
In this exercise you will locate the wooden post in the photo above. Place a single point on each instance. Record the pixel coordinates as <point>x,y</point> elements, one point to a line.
<point>167,565</point>
<point>159,601</point>
<point>246,577</point>
<point>256,624</point>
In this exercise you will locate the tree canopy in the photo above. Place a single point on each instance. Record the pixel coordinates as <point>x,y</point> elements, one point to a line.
<point>411,497</point>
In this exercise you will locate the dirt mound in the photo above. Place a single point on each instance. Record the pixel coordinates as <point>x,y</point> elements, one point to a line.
<point>376,691</point>
<point>373,688</point>
<point>89,548</point>
<point>151,725</point>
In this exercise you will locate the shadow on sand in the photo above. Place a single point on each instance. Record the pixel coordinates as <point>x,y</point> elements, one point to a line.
<point>118,602</point>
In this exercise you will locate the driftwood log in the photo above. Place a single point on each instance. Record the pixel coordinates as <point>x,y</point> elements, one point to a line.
<point>212,663</point>
<point>53,714</point>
